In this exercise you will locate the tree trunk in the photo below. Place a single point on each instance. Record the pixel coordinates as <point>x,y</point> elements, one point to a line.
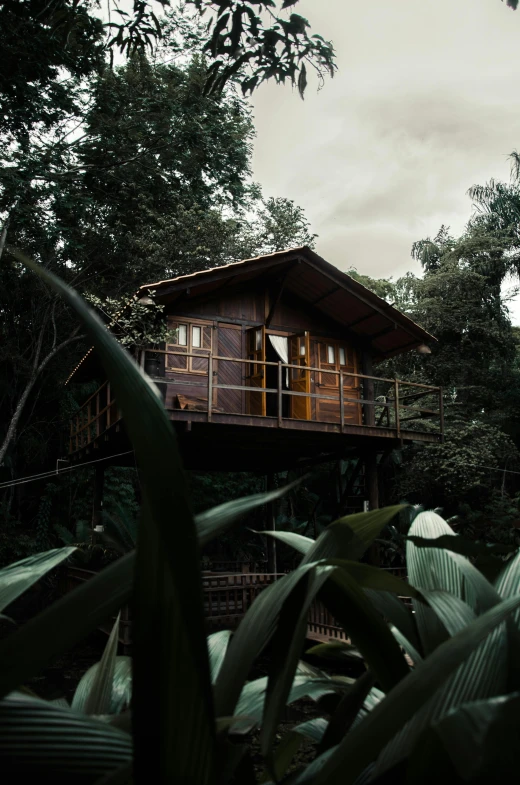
<point>37,369</point>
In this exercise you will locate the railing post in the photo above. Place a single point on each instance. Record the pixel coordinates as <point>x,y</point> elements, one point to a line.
<point>142,358</point>
<point>341,401</point>
<point>279,394</point>
<point>367,388</point>
<point>396,404</point>
<point>210,387</point>
<point>441,411</point>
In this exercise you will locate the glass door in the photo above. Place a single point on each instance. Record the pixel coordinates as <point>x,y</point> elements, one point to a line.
<point>255,347</point>
<point>300,379</point>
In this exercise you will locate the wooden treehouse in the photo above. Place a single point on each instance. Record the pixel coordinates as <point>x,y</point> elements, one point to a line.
<point>273,365</point>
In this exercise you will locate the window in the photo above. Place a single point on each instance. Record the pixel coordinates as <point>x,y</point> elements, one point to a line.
<point>189,339</point>
<point>258,340</point>
<point>335,358</point>
<point>196,337</point>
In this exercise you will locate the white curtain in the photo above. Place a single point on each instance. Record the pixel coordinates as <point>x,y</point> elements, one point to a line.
<point>281,347</point>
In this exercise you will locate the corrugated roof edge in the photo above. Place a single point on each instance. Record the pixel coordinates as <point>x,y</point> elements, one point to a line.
<point>391,312</point>
<point>313,257</point>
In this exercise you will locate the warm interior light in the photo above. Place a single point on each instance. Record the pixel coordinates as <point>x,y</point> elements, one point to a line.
<point>423,349</point>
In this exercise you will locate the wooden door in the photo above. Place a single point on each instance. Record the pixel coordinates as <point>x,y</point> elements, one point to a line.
<point>228,372</point>
<point>255,376</point>
<point>334,357</point>
<point>300,379</point>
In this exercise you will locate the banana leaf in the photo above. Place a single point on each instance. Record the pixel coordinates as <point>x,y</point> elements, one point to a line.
<point>20,576</point>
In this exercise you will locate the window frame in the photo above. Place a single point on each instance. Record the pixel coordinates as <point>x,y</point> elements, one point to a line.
<point>189,347</point>
<point>350,365</point>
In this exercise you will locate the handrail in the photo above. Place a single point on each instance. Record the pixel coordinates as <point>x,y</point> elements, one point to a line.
<point>87,425</point>
<point>288,365</point>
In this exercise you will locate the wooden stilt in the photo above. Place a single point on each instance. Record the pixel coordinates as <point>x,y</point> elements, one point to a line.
<point>372,486</point>
<point>372,482</point>
<point>270,525</point>
<point>369,411</point>
<point>97,497</point>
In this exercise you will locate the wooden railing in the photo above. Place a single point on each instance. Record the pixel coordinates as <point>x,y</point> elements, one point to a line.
<point>93,418</point>
<point>384,409</point>
<point>226,599</point>
<point>393,404</point>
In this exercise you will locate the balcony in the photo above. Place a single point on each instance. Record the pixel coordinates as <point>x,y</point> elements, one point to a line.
<point>284,411</point>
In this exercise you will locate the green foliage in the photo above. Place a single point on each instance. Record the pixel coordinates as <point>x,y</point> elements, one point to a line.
<point>152,164</point>
<point>43,520</point>
<point>250,40</point>
<point>468,462</point>
<point>136,324</point>
<point>186,717</point>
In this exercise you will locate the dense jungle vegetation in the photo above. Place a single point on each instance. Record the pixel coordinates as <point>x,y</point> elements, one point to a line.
<point>114,175</point>
<point>125,146</point>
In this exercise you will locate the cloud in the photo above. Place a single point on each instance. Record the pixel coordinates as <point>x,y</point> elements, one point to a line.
<point>423,107</point>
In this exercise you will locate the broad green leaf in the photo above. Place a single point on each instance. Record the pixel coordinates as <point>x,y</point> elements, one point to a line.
<point>481,675</point>
<point>335,650</point>
<point>29,649</point>
<point>455,614</point>
<point>482,738</point>
<point>121,692</point>
<point>251,703</point>
<point>349,537</point>
<point>369,736</point>
<point>434,569</point>
<point>174,726</point>
<point>297,541</point>
<point>217,647</point>
<point>219,519</point>
<point>290,744</point>
<point>286,648</point>
<point>374,578</point>
<point>54,744</point>
<point>352,609</point>
<point>395,612</point>
<point>252,635</point>
<point>406,645</point>
<point>347,711</point>
<point>94,692</point>
<point>366,526</point>
<point>20,576</point>
<point>507,584</point>
<point>469,548</point>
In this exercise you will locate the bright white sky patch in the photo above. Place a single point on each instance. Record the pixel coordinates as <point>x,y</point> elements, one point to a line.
<point>425,105</point>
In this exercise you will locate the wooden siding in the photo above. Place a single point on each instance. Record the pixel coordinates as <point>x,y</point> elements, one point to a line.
<point>240,303</point>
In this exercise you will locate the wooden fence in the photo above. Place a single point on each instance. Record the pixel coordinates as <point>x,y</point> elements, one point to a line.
<point>227,597</point>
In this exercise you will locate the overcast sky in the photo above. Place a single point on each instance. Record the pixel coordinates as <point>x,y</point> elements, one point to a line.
<point>424,105</point>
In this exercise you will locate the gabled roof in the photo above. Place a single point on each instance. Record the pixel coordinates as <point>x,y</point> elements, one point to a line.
<point>315,282</point>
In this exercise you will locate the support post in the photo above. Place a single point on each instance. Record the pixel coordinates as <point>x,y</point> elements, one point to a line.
<point>97,496</point>
<point>210,387</point>
<point>369,411</point>
<point>270,525</point>
<point>372,486</point>
<point>280,404</point>
<point>371,479</point>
